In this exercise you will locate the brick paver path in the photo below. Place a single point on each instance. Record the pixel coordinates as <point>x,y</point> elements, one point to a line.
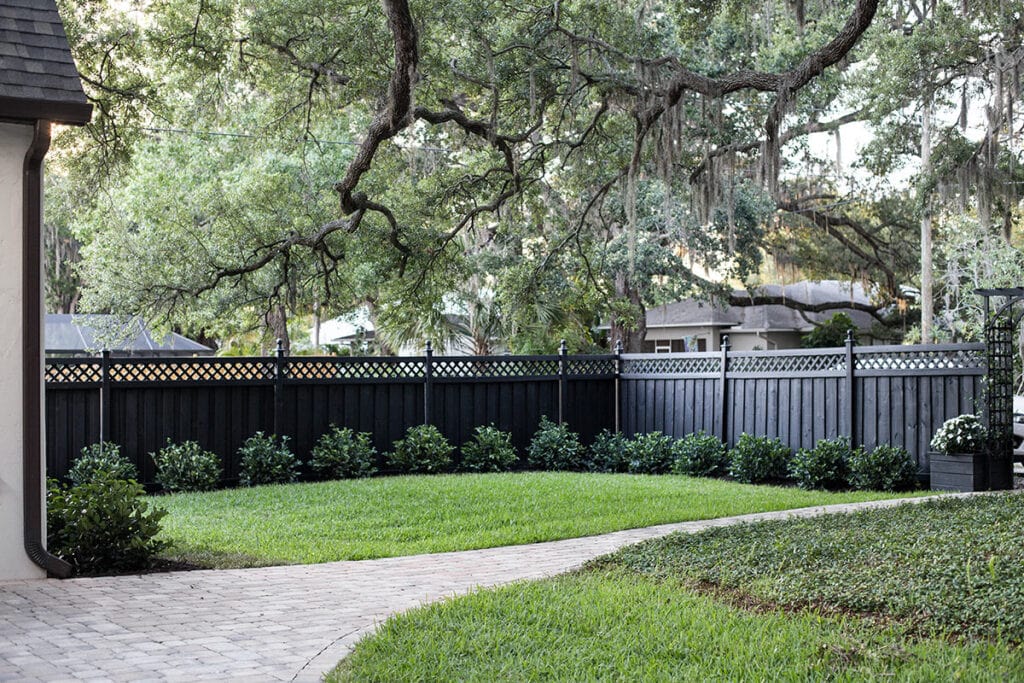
<point>277,623</point>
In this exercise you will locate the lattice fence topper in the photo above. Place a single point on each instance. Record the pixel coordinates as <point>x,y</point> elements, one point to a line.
<point>222,370</point>
<point>831,362</point>
<point>672,366</point>
<point>470,368</point>
<point>354,369</point>
<point>60,371</point>
<point>941,359</point>
<point>590,366</point>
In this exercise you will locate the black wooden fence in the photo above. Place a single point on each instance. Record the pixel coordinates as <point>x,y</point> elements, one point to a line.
<point>141,402</point>
<point>875,395</point>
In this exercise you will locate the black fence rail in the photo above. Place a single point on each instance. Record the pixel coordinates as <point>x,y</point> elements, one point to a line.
<point>139,403</point>
<point>874,395</point>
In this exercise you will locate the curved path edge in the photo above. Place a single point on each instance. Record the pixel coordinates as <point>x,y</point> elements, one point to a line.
<point>286,623</point>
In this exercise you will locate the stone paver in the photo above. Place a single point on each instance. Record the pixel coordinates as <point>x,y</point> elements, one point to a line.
<point>289,623</point>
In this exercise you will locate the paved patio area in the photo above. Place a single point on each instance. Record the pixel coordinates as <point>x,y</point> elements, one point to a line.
<point>289,623</point>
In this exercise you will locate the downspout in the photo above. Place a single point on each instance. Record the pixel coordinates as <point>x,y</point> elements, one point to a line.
<point>32,371</point>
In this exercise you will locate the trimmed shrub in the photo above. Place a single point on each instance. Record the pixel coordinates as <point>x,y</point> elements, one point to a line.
<point>960,434</point>
<point>186,467</point>
<point>488,450</point>
<point>756,459</point>
<point>101,457</point>
<point>264,461</point>
<point>608,453</point>
<point>887,468</point>
<point>555,447</point>
<point>342,453</point>
<point>102,524</point>
<point>650,453</point>
<point>822,467</point>
<point>424,450</point>
<point>699,455</point>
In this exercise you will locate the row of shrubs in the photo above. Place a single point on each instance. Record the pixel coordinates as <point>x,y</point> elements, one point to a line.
<point>102,523</point>
<point>342,453</point>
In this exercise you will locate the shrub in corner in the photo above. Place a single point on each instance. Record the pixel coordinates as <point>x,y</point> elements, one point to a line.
<point>186,466</point>
<point>555,447</point>
<point>424,450</point>
<point>608,453</point>
<point>488,450</point>
<point>699,455</point>
<point>960,434</point>
<point>102,525</point>
<point>757,459</point>
<point>101,457</point>
<point>650,453</point>
<point>886,468</point>
<point>262,460</point>
<point>342,453</point>
<point>822,467</point>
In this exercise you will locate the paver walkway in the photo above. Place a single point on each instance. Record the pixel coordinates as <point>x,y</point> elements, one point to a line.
<point>277,623</point>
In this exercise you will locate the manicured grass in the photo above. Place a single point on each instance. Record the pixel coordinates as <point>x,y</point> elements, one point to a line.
<point>951,566</point>
<point>391,516</point>
<point>916,593</point>
<point>612,625</point>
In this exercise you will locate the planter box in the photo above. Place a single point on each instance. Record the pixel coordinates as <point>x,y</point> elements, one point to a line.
<point>958,471</point>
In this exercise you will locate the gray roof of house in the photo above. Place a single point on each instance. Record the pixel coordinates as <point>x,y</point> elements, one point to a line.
<point>79,334</point>
<point>694,313</point>
<point>38,78</point>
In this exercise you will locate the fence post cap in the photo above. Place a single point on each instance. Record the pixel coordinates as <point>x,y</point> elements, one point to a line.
<point>429,347</point>
<point>850,338</point>
<point>280,347</point>
<point>618,346</point>
<point>563,347</point>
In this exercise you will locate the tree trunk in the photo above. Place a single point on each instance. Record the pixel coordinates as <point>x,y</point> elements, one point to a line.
<point>277,323</point>
<point>632,337</point>
<point>927,309</point>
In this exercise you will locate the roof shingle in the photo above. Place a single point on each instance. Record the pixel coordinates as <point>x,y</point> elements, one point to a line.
<point>38,78</point>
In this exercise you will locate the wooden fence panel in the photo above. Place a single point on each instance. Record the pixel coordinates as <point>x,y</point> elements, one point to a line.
<point>900,396</point>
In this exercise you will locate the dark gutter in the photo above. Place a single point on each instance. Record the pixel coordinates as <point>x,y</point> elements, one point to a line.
<point>26,110</point>
<point>32,355</point>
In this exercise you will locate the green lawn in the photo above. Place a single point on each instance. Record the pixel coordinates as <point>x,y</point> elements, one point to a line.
<point>919,593</point>
<point>391,516</point>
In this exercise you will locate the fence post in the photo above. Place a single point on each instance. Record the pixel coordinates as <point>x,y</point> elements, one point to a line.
<point>563,393</point>
<point>105,396</point>
<point>428,383</point>
<point>850,410</point>
<point>278,387</point>
<point>723,391</point>
<point>618,395</point>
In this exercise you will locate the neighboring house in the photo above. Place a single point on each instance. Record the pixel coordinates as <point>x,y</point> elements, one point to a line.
<point>694,325</point>
<point>39,85</point>
<point>88,335</point>
<point>357,333</point>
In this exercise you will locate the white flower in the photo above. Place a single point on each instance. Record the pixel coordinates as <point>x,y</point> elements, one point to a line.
<point>961,434</point>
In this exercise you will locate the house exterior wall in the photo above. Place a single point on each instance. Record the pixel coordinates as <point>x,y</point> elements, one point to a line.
<point>764,341</point>
<point>14,562</point>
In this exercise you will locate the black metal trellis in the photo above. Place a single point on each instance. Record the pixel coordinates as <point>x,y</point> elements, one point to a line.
<point>1001,321</point>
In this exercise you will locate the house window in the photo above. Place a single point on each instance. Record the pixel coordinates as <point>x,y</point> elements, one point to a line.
<point>696,343</point>
<point>663,346</point>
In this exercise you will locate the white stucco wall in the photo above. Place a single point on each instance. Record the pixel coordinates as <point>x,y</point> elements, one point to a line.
<point>14,563</point>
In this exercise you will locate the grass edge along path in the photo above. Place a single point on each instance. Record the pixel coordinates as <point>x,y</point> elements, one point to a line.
<point>629,616</point>
<point>409,515</point>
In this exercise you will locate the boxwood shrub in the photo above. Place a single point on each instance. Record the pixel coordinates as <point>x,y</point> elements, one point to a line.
<point>488,450</point>
<point>265,461</point>
<point>758,459</point>
<point>342,453</point>
<point>102,524</point>
<point>101,457</point>
<point>424,450</point>
<point>608,453</point>
<point>822,467</point>
<point>186,466</point>
<point>555,447</point>
<point>650,453</point>
<point>699,455</point>
<point>886,468</point>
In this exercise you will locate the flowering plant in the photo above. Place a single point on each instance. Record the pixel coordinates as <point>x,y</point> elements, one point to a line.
<point>961,434</point>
